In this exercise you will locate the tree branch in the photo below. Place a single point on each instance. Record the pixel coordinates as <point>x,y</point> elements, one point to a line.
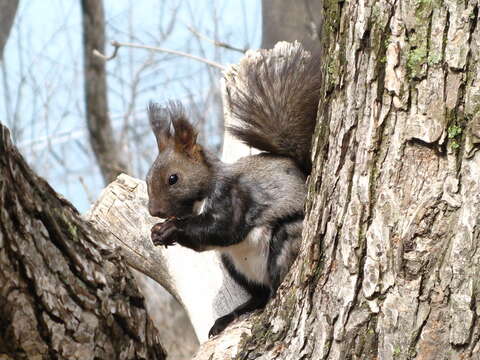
<point>215,42</point>
<point>117,45</point>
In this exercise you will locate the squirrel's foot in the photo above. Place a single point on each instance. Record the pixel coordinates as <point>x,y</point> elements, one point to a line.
<point>163,233</point>
<point>220,325</point>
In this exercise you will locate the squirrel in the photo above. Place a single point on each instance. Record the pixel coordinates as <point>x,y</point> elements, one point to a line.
<point>252,210</point>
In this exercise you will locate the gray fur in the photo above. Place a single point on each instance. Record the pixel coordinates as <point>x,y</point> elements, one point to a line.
<point>274,96</point>
<point>277,189</point>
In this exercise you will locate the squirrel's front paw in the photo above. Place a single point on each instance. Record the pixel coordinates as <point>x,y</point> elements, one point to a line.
<point>164,233</point>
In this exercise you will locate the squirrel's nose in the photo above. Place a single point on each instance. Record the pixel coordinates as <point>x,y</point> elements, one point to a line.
<point>156,212</point>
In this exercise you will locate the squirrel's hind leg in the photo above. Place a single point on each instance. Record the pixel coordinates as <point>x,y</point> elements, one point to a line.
<point>256,302</point>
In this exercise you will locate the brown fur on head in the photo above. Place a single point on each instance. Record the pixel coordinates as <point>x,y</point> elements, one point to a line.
<point>180,175</point>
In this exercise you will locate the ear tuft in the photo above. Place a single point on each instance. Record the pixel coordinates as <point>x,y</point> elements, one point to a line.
<point>159,119</point>
<point>184,135</point>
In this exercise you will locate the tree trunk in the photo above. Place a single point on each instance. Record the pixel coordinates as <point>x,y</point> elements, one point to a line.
<point>64,294</point>
<point>8,9</point>
<point>389,264</point>
<point>100,131</point>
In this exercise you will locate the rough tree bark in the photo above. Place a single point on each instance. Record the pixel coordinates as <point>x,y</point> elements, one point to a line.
<point>64,293</point>
<point>100,131</point>
<point>389,264</point>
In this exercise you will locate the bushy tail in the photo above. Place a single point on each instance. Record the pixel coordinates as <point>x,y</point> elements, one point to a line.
<point>273,96</point>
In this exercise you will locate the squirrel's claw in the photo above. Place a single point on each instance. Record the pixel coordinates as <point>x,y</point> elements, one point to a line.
<point>163,234</point>
<point>220,325</point>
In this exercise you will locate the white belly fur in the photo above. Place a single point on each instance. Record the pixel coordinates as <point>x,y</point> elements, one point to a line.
<point>199,206</point>
<point>251,255</point>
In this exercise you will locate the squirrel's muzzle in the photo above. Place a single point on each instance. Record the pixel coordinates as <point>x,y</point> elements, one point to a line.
<point>156,212</point>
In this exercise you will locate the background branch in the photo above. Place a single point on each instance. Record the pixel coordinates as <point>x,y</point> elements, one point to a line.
<point>215,42</point>
<point>117,45</point>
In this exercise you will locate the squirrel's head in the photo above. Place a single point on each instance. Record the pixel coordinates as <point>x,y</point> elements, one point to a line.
<point>180,175</point>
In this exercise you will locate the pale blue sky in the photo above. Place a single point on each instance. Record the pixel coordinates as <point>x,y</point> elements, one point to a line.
<point>41,95</point>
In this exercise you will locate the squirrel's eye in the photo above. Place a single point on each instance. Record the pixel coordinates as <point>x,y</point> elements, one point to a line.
<point>172,179</point>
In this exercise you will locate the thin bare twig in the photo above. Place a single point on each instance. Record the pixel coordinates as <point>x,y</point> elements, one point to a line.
<point>118,45</point>
<point>215,42</point>
<point>90,197</point>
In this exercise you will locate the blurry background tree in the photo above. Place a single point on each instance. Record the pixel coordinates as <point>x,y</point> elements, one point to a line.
<point>8,8</point>
<point>107,151</point>
<point>291,20</point>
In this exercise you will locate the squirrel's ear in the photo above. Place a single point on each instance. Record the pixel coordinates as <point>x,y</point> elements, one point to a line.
<point>160,123</point>
<point>185,135</point>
